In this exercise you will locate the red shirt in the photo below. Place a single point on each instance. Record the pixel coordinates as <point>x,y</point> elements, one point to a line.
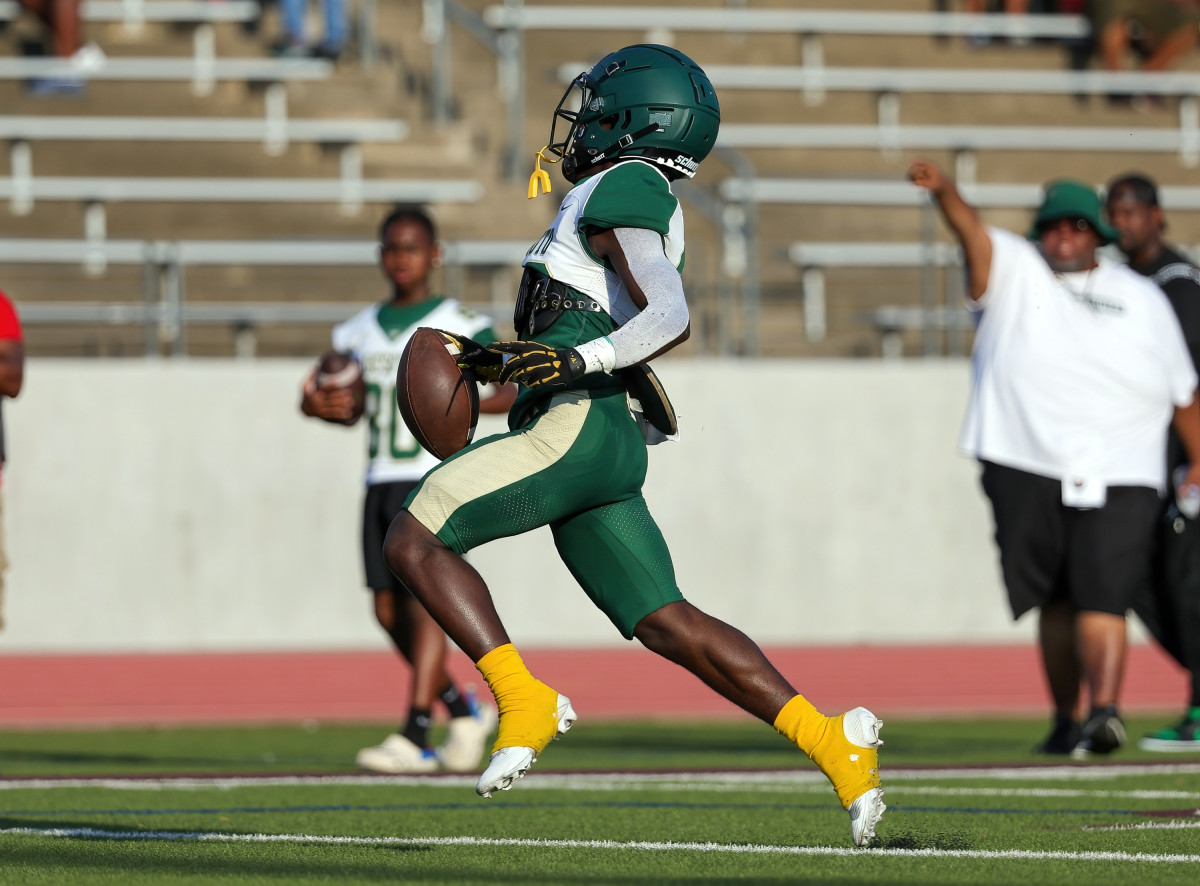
<point>10,326</point>
<point>10,329</point>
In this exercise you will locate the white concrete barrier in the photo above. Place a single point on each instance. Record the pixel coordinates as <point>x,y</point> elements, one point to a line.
<point>188,506</point>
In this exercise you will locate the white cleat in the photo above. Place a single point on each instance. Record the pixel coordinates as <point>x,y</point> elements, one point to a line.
<point>861,728</point>
<point>865,813</point>
<point>849,757</point>
<point>509,764</point>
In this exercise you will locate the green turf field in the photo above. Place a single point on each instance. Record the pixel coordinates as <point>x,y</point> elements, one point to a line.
<point>609,803</point>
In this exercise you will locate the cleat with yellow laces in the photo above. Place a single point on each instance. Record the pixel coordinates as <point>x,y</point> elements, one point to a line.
<point>523,735</point>
<point>848,754</point>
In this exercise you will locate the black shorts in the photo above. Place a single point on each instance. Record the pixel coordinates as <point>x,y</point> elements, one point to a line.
<point>1097,558</point>
<point>380,507</point>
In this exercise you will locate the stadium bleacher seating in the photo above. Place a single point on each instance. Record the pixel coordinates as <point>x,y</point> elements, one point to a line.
<point>738,19</point>
<point>202,73</point>
<point>811,157</point>
<point>166,314</point>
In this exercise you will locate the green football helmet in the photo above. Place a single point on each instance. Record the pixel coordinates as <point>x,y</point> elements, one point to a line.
<point>646,101</point>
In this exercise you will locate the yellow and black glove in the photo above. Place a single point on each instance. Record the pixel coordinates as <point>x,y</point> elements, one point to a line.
<point>485,363</point>
<point>537,365</point>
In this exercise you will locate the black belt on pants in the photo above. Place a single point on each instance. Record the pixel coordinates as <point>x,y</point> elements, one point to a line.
<point>541,300</point>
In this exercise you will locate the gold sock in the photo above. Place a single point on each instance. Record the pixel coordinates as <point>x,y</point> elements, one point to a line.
<point>528,707</point>
<point>852,770</point>
<point>801,723</point>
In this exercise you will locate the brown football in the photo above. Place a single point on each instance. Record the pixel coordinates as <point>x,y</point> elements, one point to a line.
<point>438,402</point>
<point>336,369</point>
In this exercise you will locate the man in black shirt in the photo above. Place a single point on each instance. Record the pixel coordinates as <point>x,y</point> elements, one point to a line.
<point>1170,609</point>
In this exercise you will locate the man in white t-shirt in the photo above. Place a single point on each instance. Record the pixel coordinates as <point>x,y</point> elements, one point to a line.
<point>1080,366</point>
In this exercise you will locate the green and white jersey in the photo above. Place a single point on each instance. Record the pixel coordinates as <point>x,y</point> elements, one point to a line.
<point>631,194</point>
<point>377,336</point>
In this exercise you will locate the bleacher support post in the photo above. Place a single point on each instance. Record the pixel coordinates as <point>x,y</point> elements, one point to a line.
<point>204,45</point>
<point>351,166</point>
<point>511,45</point>
<point>368,34</point>
<point>436,35</point>
<point>172,330</point>
<point>20,158</point>
<point>1189,130</point>
<point>151,288</point>
<point>95,232</point>
<point>275,106</point>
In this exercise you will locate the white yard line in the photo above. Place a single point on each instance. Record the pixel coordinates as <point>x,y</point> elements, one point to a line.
<point>732,848</point>
<point>1173,825</point>
<point>786,780</point>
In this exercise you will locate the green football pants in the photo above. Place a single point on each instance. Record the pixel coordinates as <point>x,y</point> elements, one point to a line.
<point>577,468</point>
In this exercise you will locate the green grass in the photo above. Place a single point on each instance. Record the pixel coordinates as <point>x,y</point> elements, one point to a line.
<point>696,811</point>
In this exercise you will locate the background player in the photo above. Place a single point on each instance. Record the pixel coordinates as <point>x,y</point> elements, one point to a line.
<point>376,337</point>
<point>602,294</point>
<point>1170,606</point>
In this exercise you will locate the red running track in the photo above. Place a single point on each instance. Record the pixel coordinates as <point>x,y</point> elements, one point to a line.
<point>53,690</point>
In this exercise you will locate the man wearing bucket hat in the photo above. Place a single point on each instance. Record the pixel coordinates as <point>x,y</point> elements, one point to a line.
<point>1080,366</point>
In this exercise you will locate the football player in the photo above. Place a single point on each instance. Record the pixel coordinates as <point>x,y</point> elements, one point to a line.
<point>601,295</point>
<point>376,337</point>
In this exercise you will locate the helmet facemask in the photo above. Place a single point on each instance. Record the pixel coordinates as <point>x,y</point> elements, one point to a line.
<point>583,126</point>
<point>643,102</point>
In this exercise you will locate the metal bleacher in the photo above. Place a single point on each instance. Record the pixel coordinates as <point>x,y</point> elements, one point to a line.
<point>806,241</point>
<point>871,192</point>
<point>348,193</point>
<point>165,314</point>
<point>155,173</point>
<point>889,134</point>
<point>202,72</point>
<point>738,19</point>
<point>1183,141</point>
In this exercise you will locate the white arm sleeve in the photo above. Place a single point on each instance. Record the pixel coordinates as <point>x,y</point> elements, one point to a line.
<point>665,316</point>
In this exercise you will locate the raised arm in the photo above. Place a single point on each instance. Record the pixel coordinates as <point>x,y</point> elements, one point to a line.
<point>962,219</point>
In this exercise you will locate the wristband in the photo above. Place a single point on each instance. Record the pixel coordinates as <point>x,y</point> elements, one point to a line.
<point>598,355</point>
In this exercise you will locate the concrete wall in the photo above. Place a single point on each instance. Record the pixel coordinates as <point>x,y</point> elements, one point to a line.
<point>188,506</point>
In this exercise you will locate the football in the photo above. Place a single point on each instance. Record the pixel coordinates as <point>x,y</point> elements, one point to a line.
<point>438,402</point>
<point>336,369</point>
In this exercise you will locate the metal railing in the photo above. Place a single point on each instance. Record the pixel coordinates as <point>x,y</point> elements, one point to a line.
<point>164,313</point>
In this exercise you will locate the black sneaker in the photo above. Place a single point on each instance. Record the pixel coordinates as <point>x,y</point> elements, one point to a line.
<point>1062,739</point>
<point>1103,733</point>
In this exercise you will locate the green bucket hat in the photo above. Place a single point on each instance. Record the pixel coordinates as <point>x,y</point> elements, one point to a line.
<point>1069,198</point>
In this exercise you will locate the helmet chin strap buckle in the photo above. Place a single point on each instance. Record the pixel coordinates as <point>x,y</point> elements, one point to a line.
<point>624,142</point>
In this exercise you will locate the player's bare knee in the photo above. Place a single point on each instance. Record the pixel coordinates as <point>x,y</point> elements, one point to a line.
<point>666,630</point>
<point>403,545</point>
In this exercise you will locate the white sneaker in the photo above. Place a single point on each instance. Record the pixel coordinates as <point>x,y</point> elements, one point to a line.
<point>509,764</point>
<point>467,737</point>
<point>396,754</point>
